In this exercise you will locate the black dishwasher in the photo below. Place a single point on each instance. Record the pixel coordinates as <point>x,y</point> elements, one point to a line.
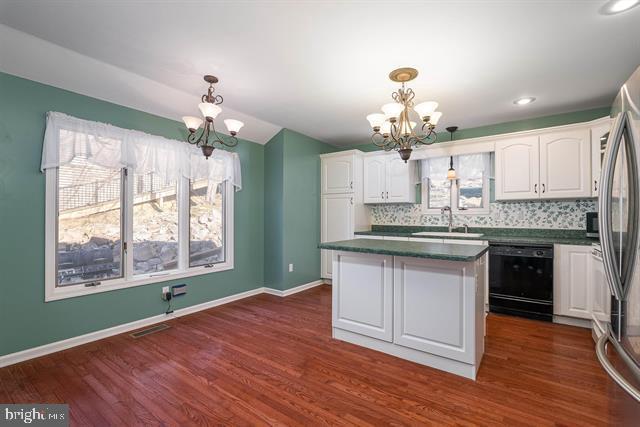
<point>521,280</point>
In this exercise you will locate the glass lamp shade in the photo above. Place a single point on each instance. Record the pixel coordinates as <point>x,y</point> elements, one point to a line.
<point>392,110</point>
<point>451,174</point>
<point>192,122</point>
<point>376,120</point>
<point>424,109</point>
<point>233,126</point>
<point>435,117</point>
<point>209,110</point>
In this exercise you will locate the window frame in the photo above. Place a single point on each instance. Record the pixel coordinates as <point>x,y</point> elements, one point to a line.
<point>454,196</point>
<point>128,280</point>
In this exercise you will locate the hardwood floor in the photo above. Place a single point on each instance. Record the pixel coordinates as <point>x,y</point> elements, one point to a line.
<point>268,360</point>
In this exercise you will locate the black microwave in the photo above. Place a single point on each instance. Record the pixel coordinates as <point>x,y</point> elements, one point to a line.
<point>592,224</point>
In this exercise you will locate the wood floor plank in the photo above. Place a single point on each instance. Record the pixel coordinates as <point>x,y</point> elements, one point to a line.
<point>268,360</point>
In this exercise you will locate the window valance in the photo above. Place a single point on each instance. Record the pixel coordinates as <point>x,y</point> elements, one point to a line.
<point>68,137</point>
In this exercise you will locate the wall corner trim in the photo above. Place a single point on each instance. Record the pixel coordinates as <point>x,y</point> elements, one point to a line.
<point>43,350</point>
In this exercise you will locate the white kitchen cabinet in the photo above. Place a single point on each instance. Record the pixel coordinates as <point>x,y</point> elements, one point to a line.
<point>337,224</point>
<point>565,164</point>
<point>599,135</point>
<point>375,176</point>
<point>363,294</point>
<point>433,300</point>
<point>337,172</point>
<point>388,179</point>
<point>601,296</point>
<point>517,168</point>
<point>342,209</point>
<point>579,287</point>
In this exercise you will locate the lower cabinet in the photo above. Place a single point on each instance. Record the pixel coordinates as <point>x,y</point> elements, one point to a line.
<point>363,298</point>
<point>433,301</point>
<point>580,289</point>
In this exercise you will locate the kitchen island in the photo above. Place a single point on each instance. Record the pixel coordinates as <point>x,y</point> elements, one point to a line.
<point>419,301</point>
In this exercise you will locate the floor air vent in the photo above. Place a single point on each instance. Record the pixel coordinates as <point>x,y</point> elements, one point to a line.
<point>153,329</point>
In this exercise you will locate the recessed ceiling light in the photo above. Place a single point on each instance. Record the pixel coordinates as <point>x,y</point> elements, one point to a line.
<point>617,6</point>
<point>524,101</point>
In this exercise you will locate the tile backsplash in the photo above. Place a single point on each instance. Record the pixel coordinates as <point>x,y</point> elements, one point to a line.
<point>525,214</point>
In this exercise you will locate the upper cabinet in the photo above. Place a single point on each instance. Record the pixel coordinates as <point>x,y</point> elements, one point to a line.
<point>552,165</point>
<point>565,164</point>
<point>338,173</point>
<point>599,135</point>
<point>517,173</point>
<point>388,179</point>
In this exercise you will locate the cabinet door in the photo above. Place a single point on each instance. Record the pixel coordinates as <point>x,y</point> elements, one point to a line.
<point>565,164</point>
<point>400,186</point>
<point>337,224</point>
<point>337,174</point>
<point>600,294</point>
<point>517,173</point>
<point>599,136</point>
<point>363,294</point>
<point>434,307</point>
<point>375,179</point>
<point>572,281</point>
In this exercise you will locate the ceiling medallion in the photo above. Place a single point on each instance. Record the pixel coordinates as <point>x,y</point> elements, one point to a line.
<point>393,129</point>
<point>209,107</point>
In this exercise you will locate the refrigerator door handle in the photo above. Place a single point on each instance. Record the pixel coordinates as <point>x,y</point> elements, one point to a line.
<point>601,352</point>
<point>604,208</point>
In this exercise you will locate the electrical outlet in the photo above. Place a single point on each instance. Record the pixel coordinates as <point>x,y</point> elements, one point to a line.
<point>165,291</point>
<point>290,268</point>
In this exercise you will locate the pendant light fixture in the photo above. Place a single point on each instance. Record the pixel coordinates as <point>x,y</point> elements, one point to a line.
<point>451,173</point>
<point>393,129</point>
<point>209,107</point>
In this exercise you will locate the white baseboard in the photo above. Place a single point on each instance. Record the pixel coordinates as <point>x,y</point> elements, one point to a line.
<point>295,290</point>
<point>43,350</point>
<point>572,321</point>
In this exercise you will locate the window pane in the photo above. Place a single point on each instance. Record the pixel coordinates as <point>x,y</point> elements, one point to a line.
<point>206,220</point>
<point>439,185</point>
<point>155,224</point>
<point>470,184</point>
<point>89,223</point>
<point>439,193</point>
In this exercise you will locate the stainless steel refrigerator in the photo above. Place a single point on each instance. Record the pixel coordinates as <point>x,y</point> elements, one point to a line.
<point>619,217</point>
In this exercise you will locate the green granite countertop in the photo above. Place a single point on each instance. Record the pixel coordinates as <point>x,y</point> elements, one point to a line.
<point>492,235</point>
<point>444,251</point>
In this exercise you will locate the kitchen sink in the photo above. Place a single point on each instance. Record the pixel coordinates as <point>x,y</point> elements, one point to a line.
<point>446,234</point>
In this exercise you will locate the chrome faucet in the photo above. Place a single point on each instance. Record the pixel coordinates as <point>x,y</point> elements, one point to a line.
<point>448,209</point>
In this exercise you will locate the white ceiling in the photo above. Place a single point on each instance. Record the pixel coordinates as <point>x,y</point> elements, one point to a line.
<point>320,67</point>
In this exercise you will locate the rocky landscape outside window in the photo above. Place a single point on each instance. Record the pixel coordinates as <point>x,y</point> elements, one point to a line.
<point>155,224</point>
<point>89,223</point>
<point>206,223</point>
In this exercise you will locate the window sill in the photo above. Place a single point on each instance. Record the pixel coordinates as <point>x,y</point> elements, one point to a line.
<point>71,291</point>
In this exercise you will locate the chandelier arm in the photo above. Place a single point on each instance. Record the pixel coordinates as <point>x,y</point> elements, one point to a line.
<point>193,137</point>
<point>232,140</point>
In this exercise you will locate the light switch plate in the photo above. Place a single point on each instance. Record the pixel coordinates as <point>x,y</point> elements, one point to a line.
<point>290,268</point>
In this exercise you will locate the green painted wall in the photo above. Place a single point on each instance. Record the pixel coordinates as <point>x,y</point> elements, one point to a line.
<point>508,127</point>
<point>273,211</point>
<point>292,209</point>
<point>25,320</point>
<point>302,207</point>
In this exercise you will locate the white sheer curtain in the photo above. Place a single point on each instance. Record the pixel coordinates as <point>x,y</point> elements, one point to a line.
<point>109,146</point>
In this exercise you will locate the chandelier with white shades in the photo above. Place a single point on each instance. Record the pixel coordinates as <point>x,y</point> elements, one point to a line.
<point>209,107</point>
<point>393,129</point>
